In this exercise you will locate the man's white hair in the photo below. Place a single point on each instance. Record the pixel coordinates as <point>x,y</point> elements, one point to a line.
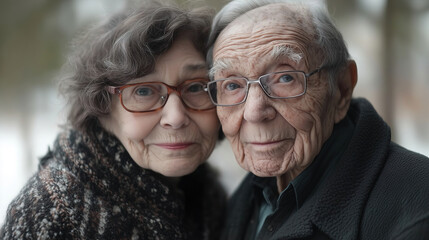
<point>328,38</point>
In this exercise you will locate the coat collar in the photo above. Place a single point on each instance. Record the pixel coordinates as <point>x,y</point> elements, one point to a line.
<point>337,207</point>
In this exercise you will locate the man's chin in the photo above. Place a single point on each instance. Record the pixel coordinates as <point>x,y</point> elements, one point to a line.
<point>266,168</point>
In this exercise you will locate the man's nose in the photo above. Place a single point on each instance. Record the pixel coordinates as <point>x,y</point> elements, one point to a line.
<point>258,106</point>
<point>174,113</point>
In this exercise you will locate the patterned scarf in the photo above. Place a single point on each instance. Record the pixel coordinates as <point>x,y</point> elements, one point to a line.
<point>101,193</point>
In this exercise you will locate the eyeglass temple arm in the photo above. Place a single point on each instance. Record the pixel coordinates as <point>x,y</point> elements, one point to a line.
<point>113,90</point>
<point>319,69</point>
<point>314,71</point>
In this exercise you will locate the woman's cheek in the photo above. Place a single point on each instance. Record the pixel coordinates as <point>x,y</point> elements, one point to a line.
<point>139,128</point>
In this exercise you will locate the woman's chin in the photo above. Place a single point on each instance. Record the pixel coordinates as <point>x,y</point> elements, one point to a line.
<point>178,171</point>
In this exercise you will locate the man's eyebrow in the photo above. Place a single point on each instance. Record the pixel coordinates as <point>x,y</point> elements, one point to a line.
<point>284,51</point>
<point>219,65</point>
<point>280,51</point>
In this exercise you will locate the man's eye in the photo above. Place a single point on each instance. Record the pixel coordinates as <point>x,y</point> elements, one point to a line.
<point>286,78</point>
<point>143,91</point>
<point>232,86</point>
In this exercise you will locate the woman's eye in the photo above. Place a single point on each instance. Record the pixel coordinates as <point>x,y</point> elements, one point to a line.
<point>196,87</point>
<point>144,91</point>
<point>285,78</point>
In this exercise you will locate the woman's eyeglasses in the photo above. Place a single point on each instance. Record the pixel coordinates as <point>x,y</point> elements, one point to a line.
<point>152,96</point>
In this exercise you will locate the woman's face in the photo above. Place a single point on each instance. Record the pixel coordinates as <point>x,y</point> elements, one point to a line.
<point>173,141</point>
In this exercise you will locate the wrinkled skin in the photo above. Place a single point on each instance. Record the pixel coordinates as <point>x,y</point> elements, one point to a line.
<point>173,141</point>
<point>278,137</point>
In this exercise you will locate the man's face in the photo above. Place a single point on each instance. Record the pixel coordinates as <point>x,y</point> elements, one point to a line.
<point>274,137</point>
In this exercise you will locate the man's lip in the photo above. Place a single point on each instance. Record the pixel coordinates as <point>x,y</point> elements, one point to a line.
<point>262,143</point>
<point>174,146</point>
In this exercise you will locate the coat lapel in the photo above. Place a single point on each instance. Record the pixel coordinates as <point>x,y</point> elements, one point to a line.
<point>339,209</point>
<point>335,210</point>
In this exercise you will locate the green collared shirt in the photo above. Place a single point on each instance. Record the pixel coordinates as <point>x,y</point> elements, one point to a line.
<point>273,207</point>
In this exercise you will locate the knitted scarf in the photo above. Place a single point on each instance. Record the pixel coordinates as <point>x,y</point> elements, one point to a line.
<point>88,187</point>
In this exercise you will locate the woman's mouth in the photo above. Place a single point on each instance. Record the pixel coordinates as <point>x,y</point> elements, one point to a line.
<point>174,146</point>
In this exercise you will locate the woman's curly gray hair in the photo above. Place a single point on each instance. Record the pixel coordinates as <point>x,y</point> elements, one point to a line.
<point>123,49</point>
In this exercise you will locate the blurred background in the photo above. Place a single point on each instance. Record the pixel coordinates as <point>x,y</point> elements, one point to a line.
<point>389,39</point>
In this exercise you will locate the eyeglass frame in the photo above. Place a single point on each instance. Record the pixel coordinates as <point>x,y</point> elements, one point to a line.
<point>248,82</point>
<point>170,89</point>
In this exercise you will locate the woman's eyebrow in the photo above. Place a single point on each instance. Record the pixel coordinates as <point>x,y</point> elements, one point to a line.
<point>190,68</point>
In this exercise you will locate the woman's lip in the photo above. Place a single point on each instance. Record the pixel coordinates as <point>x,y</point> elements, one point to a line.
<point>174,146</point>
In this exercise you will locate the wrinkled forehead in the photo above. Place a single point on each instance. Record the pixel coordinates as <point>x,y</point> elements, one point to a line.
<point>288,14</point>
<point>292,14</point>
<point>291,23</point>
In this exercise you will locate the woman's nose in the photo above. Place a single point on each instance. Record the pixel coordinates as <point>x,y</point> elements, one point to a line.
<point>258,106</point>
<point>174,113</point>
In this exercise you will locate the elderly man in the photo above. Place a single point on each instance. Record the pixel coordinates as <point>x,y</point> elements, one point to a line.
<point>322,164</point>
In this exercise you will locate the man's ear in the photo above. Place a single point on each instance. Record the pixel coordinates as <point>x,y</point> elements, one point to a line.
<point>346,82</point>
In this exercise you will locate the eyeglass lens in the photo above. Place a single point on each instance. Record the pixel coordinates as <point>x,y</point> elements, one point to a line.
<point>276,85</point>
<point>152,96</point>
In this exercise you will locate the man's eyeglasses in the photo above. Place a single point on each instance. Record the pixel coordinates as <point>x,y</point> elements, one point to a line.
<point>279,85</point>
<point>152,96</point>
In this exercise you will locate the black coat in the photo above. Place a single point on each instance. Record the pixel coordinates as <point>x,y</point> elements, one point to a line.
<point>379,190</point>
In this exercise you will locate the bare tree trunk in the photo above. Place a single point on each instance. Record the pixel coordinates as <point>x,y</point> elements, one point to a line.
<point>388,63</point>
<point>397,70</point>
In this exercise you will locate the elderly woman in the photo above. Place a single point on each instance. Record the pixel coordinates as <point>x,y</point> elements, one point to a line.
<point>131,164</point>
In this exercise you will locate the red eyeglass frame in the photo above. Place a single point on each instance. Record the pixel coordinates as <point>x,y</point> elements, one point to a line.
<point>170,89</point>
